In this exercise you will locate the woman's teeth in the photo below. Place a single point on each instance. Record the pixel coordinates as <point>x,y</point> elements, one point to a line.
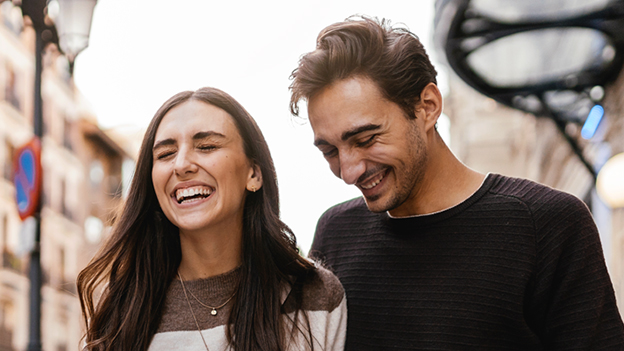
<point>191,193</point>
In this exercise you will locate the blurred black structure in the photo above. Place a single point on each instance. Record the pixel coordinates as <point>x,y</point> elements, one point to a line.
<point>46,33</point>
<point>549,58</point>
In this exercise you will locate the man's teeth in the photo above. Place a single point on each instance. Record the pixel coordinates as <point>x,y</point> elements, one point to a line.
<point>374,182</point>
<point>184,194</point>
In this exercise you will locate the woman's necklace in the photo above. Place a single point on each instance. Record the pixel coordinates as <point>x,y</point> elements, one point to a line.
<point>193,313</point>
<point>213,311</point>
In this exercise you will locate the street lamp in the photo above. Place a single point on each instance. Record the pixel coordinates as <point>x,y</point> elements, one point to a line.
<point>74,17</point>
<point>73,25</point>
<point>610,183</point>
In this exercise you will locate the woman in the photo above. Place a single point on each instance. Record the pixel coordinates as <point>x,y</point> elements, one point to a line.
<point>199,259</point>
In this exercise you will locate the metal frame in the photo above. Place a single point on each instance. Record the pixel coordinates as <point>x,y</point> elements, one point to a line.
<point>452,14</point>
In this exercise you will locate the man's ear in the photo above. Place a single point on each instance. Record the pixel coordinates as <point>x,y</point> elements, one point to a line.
<point>254,181</point>
<point>430,105</point>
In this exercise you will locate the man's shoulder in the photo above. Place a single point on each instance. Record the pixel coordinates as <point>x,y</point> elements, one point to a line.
<point>338,225</point>
<point>532,193</point>
<point>349,208</point>
<point>545,204</point>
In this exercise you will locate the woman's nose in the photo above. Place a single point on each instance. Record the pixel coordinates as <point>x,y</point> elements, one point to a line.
<point>184,162</point>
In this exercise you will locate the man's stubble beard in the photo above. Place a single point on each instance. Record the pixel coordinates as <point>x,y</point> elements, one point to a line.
<point>406,181</point>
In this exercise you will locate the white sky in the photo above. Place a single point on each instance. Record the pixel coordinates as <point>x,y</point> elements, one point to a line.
<point>142,52</point>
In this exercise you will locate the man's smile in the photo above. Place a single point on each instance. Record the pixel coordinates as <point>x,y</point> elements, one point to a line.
<point>374,181</point>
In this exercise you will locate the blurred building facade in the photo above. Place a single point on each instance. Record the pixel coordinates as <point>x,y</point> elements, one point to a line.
<point>490,137</point>
<point>614,135</point>
<point>82,187</point>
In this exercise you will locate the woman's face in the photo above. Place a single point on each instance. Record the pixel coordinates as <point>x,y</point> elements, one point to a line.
<point>200,170</point>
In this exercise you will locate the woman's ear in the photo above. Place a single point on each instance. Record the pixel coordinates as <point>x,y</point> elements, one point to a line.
<point>254,181</point>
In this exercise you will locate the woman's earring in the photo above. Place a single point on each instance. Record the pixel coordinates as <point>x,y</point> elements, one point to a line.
<point>253,188</point>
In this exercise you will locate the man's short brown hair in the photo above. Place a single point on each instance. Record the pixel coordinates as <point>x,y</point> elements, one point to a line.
<point>393,58</point>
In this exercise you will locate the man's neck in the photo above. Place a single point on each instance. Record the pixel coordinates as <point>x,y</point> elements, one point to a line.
<point>446,183</point>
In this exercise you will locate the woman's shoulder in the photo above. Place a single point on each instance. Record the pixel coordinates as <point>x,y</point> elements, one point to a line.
<point>320,291</point>
<point>326,285</point>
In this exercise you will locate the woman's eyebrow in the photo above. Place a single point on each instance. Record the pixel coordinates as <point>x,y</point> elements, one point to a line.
<point>197,136</point>
<point>164,142</point>
<point>207,134</point>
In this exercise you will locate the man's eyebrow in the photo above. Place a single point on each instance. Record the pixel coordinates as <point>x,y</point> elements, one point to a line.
<point>361,129</point>
<point>350,133</point>
<point>319,142</point>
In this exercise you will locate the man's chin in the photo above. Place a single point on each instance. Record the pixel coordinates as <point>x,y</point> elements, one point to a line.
<point>375,204</point>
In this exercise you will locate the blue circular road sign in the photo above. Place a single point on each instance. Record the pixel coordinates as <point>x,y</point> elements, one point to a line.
<point>27,178</point>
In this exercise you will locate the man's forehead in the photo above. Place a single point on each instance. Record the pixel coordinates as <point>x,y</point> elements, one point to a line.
<point>352,88</point>
<point>346,108</point>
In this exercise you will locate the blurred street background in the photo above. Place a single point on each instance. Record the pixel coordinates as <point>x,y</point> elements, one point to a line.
<point>532,89</point>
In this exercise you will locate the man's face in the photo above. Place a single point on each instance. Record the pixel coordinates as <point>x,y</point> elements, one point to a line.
<point>369,142</point>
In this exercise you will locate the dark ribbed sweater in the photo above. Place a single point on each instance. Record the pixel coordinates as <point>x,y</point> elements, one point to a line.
<point>516,266</point>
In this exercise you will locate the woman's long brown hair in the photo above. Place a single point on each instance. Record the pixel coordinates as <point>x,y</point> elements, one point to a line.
<point>140,259</point>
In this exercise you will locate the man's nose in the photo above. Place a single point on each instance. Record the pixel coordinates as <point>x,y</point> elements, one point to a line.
<point>351,167</point>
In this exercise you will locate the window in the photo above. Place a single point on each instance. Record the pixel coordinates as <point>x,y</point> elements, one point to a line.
<point>9,260</point>
<point>46,186</point>
<point>10,88</point>
<point>127,173</point>
<point>93,229</point>
<point>7,170</point>
<point>6,325</point>
<point>4,234</point>
<point>96,173</point>
<point>114,185</point>
<point>67,134</point>
<point>61,270</point>
<point>12,16</point>
<point>64,208</point>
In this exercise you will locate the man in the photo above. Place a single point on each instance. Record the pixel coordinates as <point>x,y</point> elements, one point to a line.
<point>436,255</point>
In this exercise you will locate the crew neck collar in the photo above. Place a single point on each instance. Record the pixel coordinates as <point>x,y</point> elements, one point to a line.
<point>486,184</point>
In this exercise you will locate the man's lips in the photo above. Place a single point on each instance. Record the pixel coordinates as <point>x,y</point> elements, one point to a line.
<point>373,181</point>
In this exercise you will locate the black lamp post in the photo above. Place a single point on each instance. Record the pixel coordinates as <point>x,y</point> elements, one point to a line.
<point>72,41</point>
<point>549,58</point>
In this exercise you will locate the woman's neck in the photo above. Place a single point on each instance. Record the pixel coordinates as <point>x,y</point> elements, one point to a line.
<point>209,254</point>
